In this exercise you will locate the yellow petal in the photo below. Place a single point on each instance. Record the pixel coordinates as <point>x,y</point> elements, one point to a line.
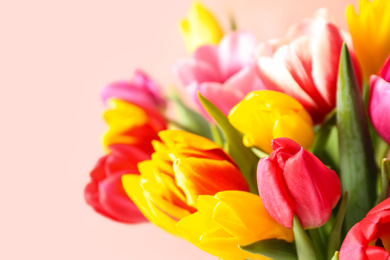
<point>176,140</point>
<point>295,128</point>
<point>132,187</point>
<point>194,226</point>
<point>251,214</point>
<point>202,176</point>
<point>200,27</point>
<point>160,189</point>
<point>265,115</point>
<point>230,219</point>
<point>372,22</point>
<point>120,118</point>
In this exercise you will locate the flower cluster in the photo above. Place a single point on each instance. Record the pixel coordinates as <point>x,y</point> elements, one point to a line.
<point>275,157</point>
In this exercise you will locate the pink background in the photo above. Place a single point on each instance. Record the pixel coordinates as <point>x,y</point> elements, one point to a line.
<point>55,57</point>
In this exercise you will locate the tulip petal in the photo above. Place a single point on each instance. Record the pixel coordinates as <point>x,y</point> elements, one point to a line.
<point>385,71</point>
<point>314,188</point>
<point>191,70</point>
<point>176,140</point>
<point>295,128</point>
<point>273,191</point>
<point>235,51</point>
<point>116,203</point>
<point>264,115</point>
<point>139,90</point>
<point>131,184</point>
<point>191,227</point>
<point>232,215</point>
<point>161,190</point>
<point>326,47</point>
<point>371,22</point>
<point>379,107</point>
<point>227,95</point>
<point>218,217</point>
<point>200,27</point>
<point>194,177</point>
<point>275,76</point>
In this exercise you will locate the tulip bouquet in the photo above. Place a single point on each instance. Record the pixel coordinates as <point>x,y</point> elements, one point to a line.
<point>277,152</point>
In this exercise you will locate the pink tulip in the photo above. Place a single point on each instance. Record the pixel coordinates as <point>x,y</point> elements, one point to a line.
<point>140,90</point>
<point>305,64</point>
<point>379,103</point>
<point>105,194</point>
<point>224,74</point>
<point>294,181</point>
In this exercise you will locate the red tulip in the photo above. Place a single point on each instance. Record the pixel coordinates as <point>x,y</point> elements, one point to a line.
<point>105,193</point>
<point>370,238</point>
<point>379,104</point>
<point>294,181</point>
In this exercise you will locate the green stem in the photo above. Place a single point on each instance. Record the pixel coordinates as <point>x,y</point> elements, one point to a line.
<point>304,245</point>
<point>381,149</point>
<point>316,237</point>
<point>385,167</point>
<point>366,91</point>
<point>259,153</point>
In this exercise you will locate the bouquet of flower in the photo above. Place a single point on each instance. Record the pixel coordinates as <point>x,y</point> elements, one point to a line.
<point>275,150</point>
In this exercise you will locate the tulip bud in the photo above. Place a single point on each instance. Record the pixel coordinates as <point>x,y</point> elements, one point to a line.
<point>228,220</point>
<point>379,102</point>
<point>182,167</point>
<point>265,115</point>
<point>369,239</point>
<point>293,181</point>
<point>200,27</point>
<point>105,194</point>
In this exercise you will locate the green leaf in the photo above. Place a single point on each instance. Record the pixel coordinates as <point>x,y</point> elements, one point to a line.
<point>304,245</point>
<point>322,134</point>
<point>272,248</point>
<point>325,146</point>
<point>385,168</point>
<point>357,162</point>
<point>335,234</point>
<point>243,156</point>
<point>190,120</point>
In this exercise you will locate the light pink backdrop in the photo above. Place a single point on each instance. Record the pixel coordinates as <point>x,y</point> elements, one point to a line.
<point>55,56</point>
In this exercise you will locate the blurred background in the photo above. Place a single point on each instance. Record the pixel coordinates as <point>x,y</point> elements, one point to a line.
<point>55,57</point>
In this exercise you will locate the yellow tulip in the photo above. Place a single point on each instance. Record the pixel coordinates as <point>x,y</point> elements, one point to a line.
<point>265,115</point>
<point>370,31</point>
<point>131,124</point>
<point>182,167</point>
<point>229,219</point>
<point>200,27</point>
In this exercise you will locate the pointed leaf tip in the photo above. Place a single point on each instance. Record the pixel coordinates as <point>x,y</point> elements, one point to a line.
<point>272,248</point>
<point>246,160</point>
<point>357,161</point>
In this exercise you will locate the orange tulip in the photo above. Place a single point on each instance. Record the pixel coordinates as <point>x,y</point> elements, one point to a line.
<point>182,167</point>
